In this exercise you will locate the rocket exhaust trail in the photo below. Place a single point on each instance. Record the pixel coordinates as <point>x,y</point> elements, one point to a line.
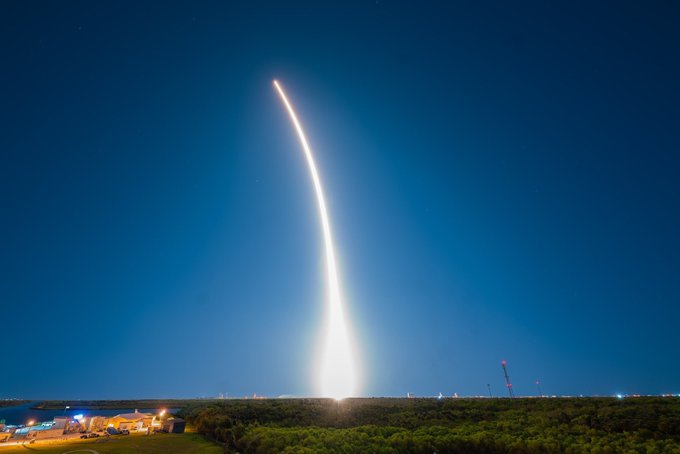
<point>337,377</point>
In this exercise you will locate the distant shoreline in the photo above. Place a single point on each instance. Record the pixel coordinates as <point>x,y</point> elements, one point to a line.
<point>113,404</point>
<point>12,402</point>
<point>183,403</point>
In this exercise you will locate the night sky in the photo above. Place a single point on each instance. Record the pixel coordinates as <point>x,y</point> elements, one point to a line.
<point>502,181</point>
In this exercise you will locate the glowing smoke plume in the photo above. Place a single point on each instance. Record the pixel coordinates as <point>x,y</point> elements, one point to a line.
<point>338,378</point>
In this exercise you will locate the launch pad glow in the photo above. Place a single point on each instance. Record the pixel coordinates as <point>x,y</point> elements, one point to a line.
<point>337,374</point>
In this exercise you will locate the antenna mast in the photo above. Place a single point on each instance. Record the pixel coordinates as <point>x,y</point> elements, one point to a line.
<point>507,378</point>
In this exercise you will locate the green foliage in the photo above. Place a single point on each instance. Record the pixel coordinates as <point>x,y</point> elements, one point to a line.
<point>598,425</point>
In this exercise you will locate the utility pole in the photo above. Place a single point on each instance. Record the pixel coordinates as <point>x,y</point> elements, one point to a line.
<point>538,385</point>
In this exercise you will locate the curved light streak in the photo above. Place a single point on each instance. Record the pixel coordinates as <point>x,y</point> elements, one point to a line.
<point>337,375</point>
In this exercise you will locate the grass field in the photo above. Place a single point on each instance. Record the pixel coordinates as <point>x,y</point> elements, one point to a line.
<point>153,444</point>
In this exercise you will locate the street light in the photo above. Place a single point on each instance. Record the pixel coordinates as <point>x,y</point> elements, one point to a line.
<point>29,424</point>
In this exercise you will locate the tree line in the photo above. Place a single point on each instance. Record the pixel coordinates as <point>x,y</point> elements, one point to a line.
<point>569,425</point>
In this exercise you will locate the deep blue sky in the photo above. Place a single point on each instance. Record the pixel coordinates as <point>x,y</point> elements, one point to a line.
<point>502,182</point>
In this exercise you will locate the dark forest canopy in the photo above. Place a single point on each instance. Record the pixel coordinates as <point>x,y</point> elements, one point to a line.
<point>442,426</point>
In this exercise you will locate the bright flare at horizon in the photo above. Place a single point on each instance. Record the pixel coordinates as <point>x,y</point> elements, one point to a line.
<point>337,374</point>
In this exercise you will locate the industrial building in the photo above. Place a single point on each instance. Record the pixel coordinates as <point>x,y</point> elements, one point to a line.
<point>174,425</point>
<point>61,425</point>
<point>132,421</point>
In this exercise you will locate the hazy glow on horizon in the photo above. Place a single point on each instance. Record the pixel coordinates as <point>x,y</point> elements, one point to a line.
<point>337,375</point>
